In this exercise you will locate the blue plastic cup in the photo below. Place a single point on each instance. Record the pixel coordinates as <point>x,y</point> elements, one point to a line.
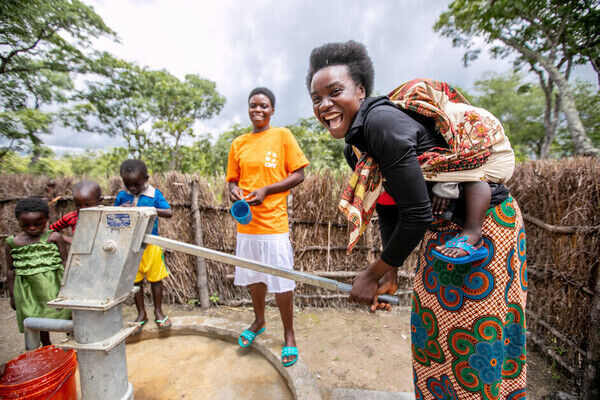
<point>241,212</point>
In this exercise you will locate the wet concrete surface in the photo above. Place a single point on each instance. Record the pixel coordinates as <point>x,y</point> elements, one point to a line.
<point>197,367</point>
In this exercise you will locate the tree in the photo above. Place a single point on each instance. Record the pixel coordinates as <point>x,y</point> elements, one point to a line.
<point>119,104</point>
<point>546,35</point>
<point>41,43</point>
<point>220,149</point>
<point>179,104</point>
<point>103,163</point>
<point>520,108</point>
<point>22,96</point>
<point>48,35</point>
<point>587,99</point>
<point>321,149</point>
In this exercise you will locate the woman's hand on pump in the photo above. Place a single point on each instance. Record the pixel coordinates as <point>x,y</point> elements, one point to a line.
<point>388,284</point>
<point>378,278</point>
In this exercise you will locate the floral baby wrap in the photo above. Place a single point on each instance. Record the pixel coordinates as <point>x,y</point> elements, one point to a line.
<point>478,149</point>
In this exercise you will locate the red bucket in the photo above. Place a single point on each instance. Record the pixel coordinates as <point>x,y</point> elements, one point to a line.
<point>46,373</point>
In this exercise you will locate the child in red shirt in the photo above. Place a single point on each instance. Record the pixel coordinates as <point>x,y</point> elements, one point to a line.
<point>85,194</point>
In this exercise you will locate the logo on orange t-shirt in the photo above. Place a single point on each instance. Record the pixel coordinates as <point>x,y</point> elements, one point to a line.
<point>271,159</point>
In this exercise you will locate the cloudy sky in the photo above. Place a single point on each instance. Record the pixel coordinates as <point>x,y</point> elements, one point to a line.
<point>243,44</point>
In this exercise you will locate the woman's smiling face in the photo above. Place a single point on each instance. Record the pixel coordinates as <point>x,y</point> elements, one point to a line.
<point>260,111</point>
<point>336,99</point>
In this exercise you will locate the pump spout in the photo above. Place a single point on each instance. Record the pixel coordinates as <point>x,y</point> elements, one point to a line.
<point>32,327</point>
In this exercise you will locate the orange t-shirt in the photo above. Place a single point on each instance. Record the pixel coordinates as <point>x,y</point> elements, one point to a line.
<point>260,159</point>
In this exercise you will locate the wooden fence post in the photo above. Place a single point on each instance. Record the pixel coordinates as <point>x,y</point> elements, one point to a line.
<point>202,278</point>
<point>590,385</point>
<point>290,210</point>
<point>370,243</point>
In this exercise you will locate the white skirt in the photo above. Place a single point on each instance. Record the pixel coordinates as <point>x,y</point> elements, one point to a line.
<point>273,249</point>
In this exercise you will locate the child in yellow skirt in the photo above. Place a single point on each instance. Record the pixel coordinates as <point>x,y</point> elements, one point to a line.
<point>140,193</point>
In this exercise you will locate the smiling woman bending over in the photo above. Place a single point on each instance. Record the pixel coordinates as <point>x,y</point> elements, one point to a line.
<point>468,321</point>
<point>263,166</point>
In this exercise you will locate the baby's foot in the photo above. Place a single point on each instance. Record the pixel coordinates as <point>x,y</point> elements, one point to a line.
<point>473,238</point>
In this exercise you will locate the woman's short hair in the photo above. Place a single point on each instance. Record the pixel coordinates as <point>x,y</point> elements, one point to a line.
<point>32,204</point>
<point>266,92</point>
<point>352,54</point>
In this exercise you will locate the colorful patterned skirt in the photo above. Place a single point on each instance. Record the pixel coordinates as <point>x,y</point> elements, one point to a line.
<point>468,321</point>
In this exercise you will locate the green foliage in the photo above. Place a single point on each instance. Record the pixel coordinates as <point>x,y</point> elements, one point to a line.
<point>553,29</point>
<point>22,121</point>
<point>193,302</point>
<point>203,156</point>
<point>151,110</point>
<point>179,104</point>
<point>96,163</point>
<point>220,150</point>
<point>215,298</point>
<point>549,37</point>
<point>42,43</point>
<point>48,35</point>
<point>587,99</point>
<point>321,149</point>
<point>119,104</point>
<point>518,105</point>
<point>13,163</point>
<point>46,164</point>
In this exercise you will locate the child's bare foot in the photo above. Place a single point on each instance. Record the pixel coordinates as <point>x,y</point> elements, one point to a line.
<point>290,341</point>
<point>256,326</point>
<point>473,239</point>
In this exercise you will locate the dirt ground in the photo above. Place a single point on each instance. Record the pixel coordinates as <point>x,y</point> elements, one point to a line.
<point>344,348</point>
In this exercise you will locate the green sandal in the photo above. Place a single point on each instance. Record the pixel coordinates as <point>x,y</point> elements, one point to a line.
<point>249,336</point>
<point>139,327</point>
<point>289,351</point>
<point>163,323</point>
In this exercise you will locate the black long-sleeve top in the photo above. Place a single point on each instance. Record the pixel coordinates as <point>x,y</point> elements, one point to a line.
<point>394,138</point>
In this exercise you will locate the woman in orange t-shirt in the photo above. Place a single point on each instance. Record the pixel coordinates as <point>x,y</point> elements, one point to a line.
<point>262,167</point>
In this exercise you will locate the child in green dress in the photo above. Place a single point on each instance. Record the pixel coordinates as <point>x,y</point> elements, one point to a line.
<point>35,259</point>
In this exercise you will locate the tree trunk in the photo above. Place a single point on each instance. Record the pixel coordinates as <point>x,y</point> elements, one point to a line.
<point>174,156</point>
<point>582,142</point>
<point>201,275</point>
<point>550,120</point>
<point>596,65</point>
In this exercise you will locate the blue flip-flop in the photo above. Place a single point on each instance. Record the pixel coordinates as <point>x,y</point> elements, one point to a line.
<point>249,336</point>
<point>473,254</point>
<point>289,351</point>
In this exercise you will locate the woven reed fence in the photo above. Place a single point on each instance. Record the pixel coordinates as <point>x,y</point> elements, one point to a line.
<point>560,201</point>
